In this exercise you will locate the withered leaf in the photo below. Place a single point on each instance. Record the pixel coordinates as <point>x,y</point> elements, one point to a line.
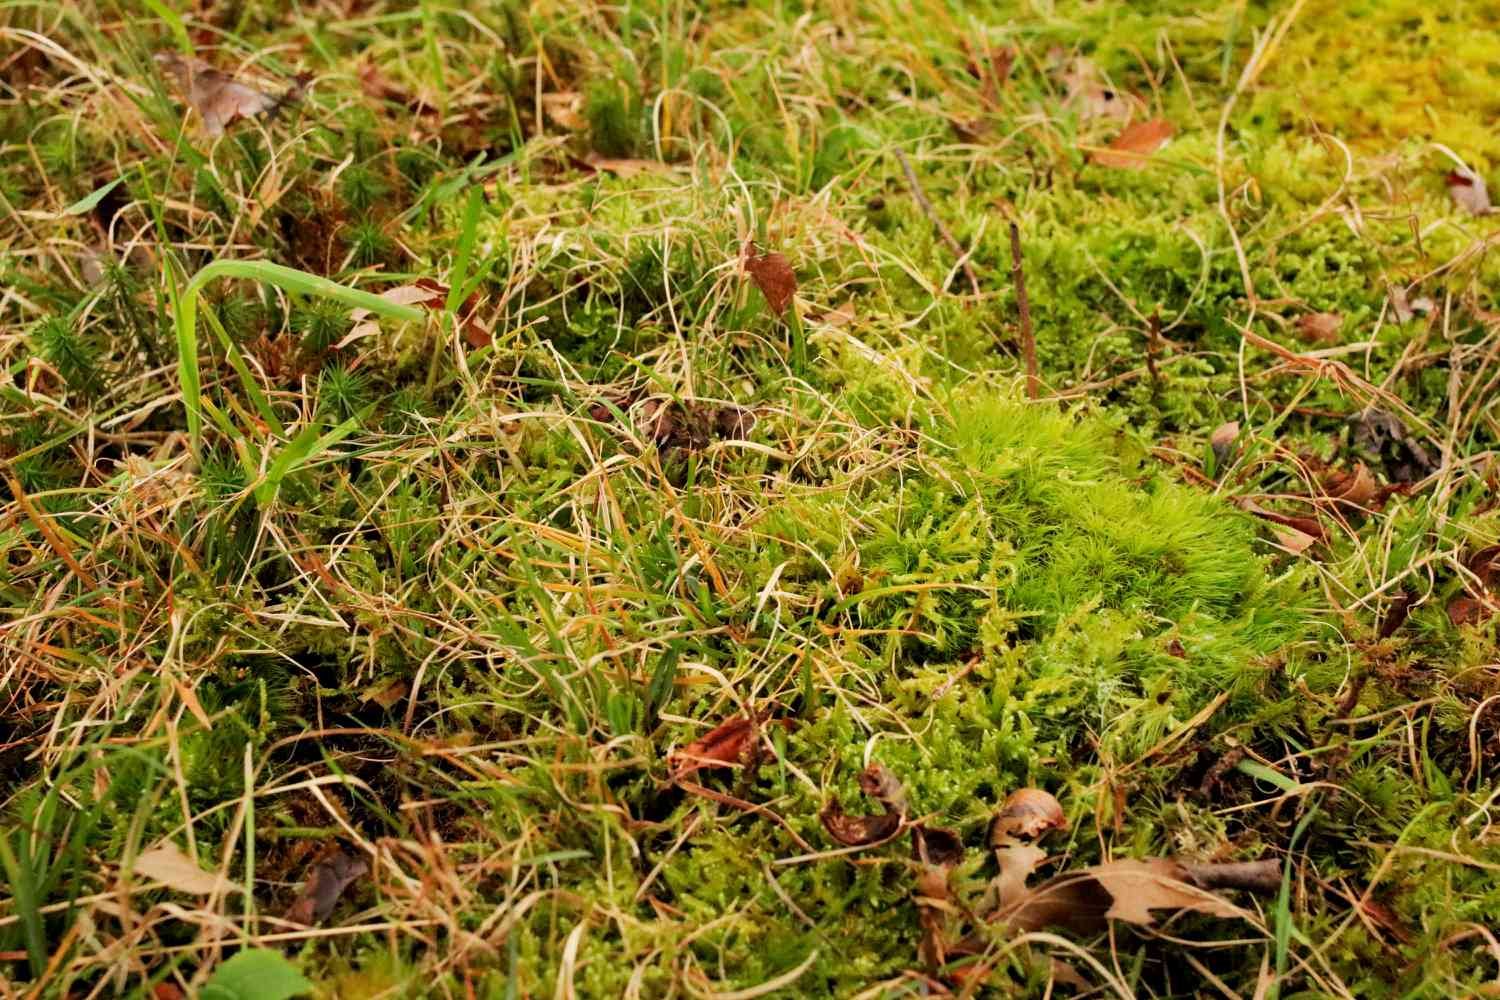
<point>429,294</point>
<point>168,864</point>
<point>773,275</point>
<point>1404,307</point>
<point>693,426</point>
<point>1222,441</point>
<point>936,845</point>
<point>1485,564</point>
<point>1132,148</point>
<point>1403,457</point>
<point>858,831</point>
<point>1026,814</point>
<point>1356,487</point>
<point>1306,525</point>
<point>1319,328</point>
<point>329,876</point>
<point>1468,191</point>
<point>1127,890</point>
<point>217,97</point>
<point>879,783</point>
<point>722,746</point>
<point>1464,610</point>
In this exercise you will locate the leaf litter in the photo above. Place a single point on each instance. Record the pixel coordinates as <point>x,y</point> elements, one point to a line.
<point>219,98</point>
<point>327,879</point>
<point>1129,890</point>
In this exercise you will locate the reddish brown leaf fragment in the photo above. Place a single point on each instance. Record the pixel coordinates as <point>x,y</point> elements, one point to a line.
<point>1355,487</point>
<point>773,275</point>
<point>722,746</point>
<point>326,882</point>
<point>858,831</point>
<point>1464,610</point>
<point>1133,147</point>
<point>1485,564</point>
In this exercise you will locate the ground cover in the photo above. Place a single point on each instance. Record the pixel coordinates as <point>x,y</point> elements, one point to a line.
<point>555,499</point>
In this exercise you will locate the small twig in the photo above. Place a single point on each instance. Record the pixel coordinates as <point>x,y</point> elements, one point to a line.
<point>1254,876</point>
<point>937,222</point>
<point>1028,338</point>
<point>1153,345</point>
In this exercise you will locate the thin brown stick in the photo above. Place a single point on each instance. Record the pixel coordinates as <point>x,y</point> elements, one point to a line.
<point>937,222</point>
<point>1028,338</point>
<point>1254,876</point>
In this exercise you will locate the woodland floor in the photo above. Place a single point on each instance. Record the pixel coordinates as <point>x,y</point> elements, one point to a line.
<point>546,500</point>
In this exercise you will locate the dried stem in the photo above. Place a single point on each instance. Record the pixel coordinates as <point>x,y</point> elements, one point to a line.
<point>937,222</point>
<point>1028,338</point>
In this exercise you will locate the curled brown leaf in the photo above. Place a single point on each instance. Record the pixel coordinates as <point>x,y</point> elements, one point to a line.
<point>858,831</point>
<point>1026,814</point>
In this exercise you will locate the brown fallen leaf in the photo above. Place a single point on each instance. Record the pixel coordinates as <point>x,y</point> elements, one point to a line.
<point>1319,328</point>
<point>217,97</point>
<point>1132,148</point>
<point>1027,814</point>
<point>1465,610</point>
<point>1396,614</point>
<point>329,876</point>
<point>388,693</point>
<point>1355,487</point>
<point>431,295</point>
<point>1292,540</point>
<point>1485,564</point>
<point>773,275</point>
<point>1468,191</point>
<point>1306,525</point>
<point>858,831</point>
<point>722,746</point>
<point>1127,889</point>
<point>936,845</point>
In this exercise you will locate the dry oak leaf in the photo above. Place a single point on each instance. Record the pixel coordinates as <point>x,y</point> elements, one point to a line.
<point>773,275</point>
<point>326,882</point>
<point>1319,328</point>
<point>1468,191</point>
<point>1127,890</point>
<point>217,97</point>
<point>1133,147</point>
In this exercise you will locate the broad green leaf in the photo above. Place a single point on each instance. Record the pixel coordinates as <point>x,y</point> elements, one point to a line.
<point>256,974</point>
